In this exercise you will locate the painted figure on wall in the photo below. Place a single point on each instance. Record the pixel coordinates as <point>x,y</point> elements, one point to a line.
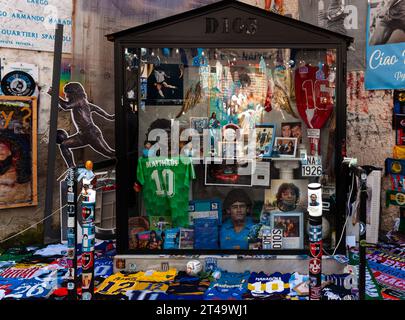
<point>88,133</point>
<point>15,169</point>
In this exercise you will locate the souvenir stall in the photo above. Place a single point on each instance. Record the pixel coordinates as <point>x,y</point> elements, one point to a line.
<point>224,116</point>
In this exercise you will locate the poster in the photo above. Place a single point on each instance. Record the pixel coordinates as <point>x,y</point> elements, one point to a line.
<point>347,17</point>
<point>385,45</point>
<point>18,152</point>
<point>29,24</point>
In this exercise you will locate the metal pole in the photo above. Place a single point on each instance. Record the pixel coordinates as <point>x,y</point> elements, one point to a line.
<point>50,178</point>
<point>315,240</point>
<point>88,210</point>
<point>71,232</point>
<point>362,235</point>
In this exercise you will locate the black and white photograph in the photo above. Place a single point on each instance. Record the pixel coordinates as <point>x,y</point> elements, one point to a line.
<point>165,85</point>
<point>387,22</point>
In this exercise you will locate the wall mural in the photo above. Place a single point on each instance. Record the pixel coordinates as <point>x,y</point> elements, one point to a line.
<point>18,152</point>
<point>343,16</point>
<point>87,132</point>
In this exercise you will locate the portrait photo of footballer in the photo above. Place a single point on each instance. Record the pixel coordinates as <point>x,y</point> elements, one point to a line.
<point>234,233</point>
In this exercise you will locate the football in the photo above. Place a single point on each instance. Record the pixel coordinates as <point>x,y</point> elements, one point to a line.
<point>193,267</point>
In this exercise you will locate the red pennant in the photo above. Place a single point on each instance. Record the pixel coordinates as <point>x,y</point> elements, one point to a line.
<point>314,95</point>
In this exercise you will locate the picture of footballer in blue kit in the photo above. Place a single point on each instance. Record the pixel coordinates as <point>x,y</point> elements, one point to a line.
<point>234,232</point>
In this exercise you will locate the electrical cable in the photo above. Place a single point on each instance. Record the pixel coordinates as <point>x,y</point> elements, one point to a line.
<point>35,224</point>
<point>348,215</point>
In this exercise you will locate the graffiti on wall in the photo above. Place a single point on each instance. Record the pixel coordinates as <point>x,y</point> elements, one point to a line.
<point>87,132</point>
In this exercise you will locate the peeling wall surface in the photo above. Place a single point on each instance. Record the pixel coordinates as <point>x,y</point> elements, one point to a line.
<point>370,137</point>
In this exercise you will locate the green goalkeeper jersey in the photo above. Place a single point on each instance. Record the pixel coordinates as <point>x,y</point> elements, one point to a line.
<point>165,186</point>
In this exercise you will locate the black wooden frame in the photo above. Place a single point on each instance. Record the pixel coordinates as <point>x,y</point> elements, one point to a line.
<point>150,36</point>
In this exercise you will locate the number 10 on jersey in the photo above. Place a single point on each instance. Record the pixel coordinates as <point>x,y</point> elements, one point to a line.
<point>164,188</point>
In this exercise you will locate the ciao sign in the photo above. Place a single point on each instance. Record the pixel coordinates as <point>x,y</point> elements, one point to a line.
<point>230,26</point>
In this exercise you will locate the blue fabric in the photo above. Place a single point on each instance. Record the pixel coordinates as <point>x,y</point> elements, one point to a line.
<point>229,239</point>
<point>223,294</point>
<point>229,286</point>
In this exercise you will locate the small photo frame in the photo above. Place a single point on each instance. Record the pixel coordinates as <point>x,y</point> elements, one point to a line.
<point>199,124</point>
<point>228,172</point>
<point>292,224</point>
<point>164,85</point>
<point>265,135</point>
<point>292,130</point>
<point>286,147</point>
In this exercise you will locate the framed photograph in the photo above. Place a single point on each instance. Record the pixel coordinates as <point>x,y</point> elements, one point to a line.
<point>286,195</point>
<point>265,135</point>
<point>186,238</point>
<point>18,152</point>
<point>286,147</point>
<point>292,130</point>
<point>199,124</point>
<point>164,85</point>
<point>292,225</point>
<point>228,172</point>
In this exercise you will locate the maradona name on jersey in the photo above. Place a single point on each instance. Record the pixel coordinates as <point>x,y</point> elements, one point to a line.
<point>162,163</point>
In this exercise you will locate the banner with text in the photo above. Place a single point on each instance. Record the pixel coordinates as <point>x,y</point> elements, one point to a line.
<point>31,24</point>
<point>385,45</point>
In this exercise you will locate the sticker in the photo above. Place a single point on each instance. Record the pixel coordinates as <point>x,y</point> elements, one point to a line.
<point>71,253</point>
<point>71,210</point>
<point>70,197</point>
<point>315,233</point>
<point>315,266</point>
<point>314,133</point>
<point>120,263</point>
<point>362,228</point>
<point>70,285</point>
<point>87,260</point>
<point>164,266</point>
<point>313,281</point>
<point>211,264</point>
<point>132,267</point>
<point>71,222</point>
<point>71,274</point>
<point>87,214</point>
<point>71,240</point>
<point>315,293</point>
<point>18,83</point>
<point>316,249</point>
<point>86,280</point>
<point>86,296</point>
<point>276,239</point>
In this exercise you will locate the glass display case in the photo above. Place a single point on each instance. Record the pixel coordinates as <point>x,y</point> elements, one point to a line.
<point>221,124</point>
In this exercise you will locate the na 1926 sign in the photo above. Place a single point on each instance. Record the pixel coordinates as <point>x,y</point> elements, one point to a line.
<point>236,25</point>
<point>311,166</point>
